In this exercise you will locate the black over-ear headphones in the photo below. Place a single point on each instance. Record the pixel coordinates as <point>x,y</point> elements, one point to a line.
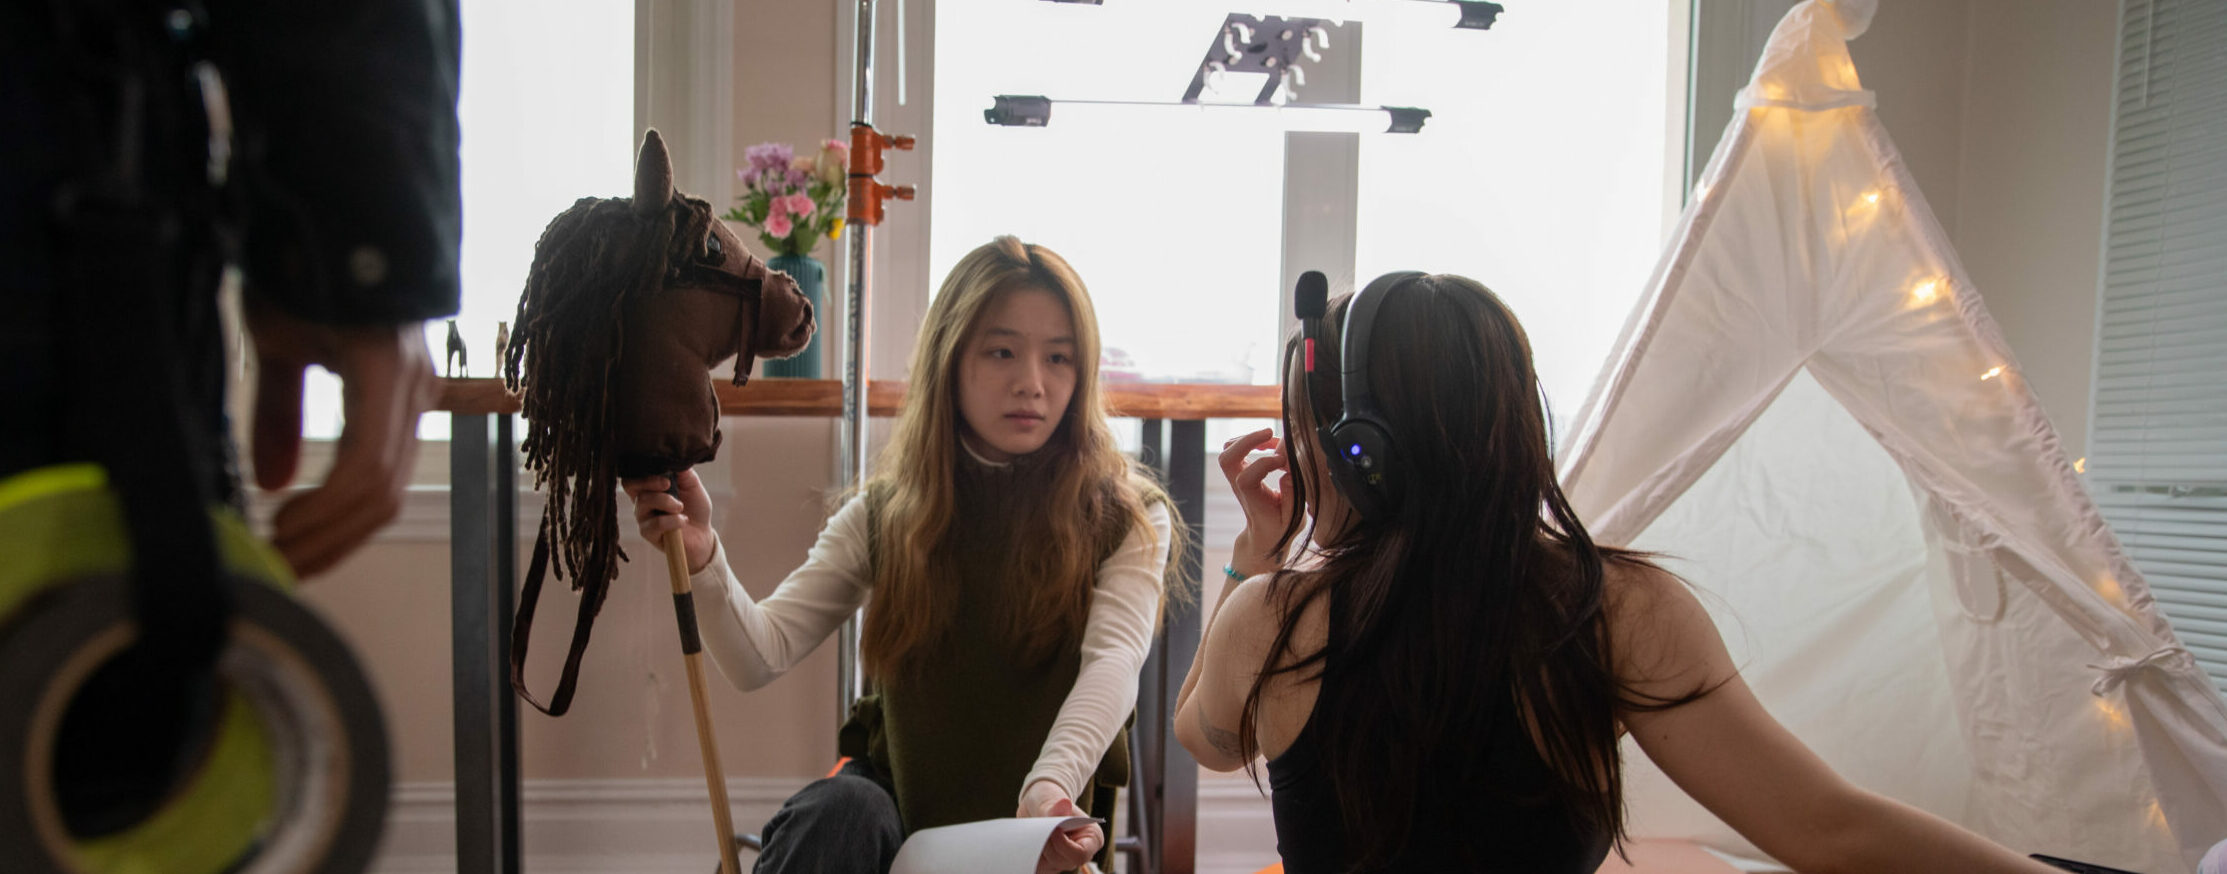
<point>1362,454</point>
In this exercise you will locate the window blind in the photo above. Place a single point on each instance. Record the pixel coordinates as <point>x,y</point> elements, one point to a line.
<point>2157,460</point>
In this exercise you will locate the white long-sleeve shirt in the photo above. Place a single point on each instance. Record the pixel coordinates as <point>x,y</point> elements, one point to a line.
<point>755,642</point>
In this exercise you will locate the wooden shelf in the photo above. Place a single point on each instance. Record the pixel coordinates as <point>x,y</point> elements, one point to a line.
<point>824,398</point>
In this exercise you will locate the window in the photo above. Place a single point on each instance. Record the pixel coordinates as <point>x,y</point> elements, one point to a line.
<point>1170,218</point>
<point>2157,461</point>
<point>1548,170</point>
<point>547,112</point>
<point>1545,170</point>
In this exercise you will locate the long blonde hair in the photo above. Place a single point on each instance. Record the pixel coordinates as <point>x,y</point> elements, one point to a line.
<point>1092,489</point>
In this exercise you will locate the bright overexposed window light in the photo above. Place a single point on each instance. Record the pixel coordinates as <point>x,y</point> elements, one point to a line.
<point>1173,215</point>
<point>547,117</point>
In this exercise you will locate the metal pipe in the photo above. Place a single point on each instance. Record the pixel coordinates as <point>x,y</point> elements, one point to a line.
<point>856,372</point>
<point>474,676</point>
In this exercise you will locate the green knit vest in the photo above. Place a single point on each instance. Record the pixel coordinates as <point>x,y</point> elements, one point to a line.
<point>955,740</point>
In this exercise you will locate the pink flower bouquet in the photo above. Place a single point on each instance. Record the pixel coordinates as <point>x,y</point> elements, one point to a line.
<point>793,200</point>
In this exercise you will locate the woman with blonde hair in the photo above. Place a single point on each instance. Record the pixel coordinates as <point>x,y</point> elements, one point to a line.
<point>1011,560</point>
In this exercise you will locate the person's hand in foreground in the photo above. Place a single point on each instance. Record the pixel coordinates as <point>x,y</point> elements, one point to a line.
<point>386,383</point>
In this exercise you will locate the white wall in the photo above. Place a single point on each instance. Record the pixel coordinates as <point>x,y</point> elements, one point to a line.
<point>2002,109</point>
<point>2030,200</point>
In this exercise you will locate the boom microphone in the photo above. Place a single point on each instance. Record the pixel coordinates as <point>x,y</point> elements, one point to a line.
<point>1308,300</point>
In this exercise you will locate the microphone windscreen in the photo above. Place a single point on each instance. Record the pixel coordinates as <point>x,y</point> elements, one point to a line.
<point>1312,295</point>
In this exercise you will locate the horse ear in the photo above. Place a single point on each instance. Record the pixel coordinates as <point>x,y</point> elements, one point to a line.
<point>653,176</point>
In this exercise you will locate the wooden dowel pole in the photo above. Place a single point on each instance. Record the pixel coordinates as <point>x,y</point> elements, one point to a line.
<point>715,777</point>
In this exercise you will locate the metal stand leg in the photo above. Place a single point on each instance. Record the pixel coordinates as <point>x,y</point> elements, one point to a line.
<point>1167,784</point>
<point>479,618</point>
<point>1177,830</point>
<point>1148,784</point>
<point>506,606</point>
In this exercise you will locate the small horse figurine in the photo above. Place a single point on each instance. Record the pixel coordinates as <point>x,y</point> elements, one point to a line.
<point>629,303</point>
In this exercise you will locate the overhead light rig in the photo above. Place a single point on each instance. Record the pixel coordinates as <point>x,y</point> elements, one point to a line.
<point>1275,47</point>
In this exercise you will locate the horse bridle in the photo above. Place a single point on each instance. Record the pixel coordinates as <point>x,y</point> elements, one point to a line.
<point>698,273</point>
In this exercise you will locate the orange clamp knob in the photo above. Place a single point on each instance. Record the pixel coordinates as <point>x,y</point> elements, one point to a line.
<point>866,193</point>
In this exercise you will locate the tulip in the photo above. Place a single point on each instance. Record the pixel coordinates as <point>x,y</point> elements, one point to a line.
<point>834,162</point>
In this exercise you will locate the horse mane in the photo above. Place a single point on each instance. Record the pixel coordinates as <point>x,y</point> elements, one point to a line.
<point>591,261</point>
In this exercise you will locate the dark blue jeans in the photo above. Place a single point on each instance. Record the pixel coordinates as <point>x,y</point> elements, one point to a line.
<point>845,824</point>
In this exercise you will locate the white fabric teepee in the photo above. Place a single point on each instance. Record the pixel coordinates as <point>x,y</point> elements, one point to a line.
<point>1813,414</point>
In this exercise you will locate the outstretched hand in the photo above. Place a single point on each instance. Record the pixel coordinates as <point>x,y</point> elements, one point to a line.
<point>1064,850</point>
<point>656,513</point>
<point>1268,508</point>
<point>386,383</point>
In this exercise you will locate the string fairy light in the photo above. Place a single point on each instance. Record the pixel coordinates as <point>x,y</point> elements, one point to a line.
<point>2109,589</point>
<point>1861,213</point>
<point>1924,293</point>
<point>2080,465</point>
<point>1991,373</point>
<point>2111,713</point>
<point>1862,209</point>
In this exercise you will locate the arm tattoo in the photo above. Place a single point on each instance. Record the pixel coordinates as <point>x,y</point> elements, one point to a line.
<point>1223,741</point>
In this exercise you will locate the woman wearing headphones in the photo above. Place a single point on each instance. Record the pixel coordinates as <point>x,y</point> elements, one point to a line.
<point>1442,683</point>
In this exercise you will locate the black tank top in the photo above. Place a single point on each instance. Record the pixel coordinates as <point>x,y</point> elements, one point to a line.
<point>1505,814</point>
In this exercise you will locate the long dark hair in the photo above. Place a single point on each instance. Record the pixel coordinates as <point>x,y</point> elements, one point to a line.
<point>1481,591</point>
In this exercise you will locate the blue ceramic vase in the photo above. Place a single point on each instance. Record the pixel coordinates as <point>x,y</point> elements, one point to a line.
<point>811,279</point>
